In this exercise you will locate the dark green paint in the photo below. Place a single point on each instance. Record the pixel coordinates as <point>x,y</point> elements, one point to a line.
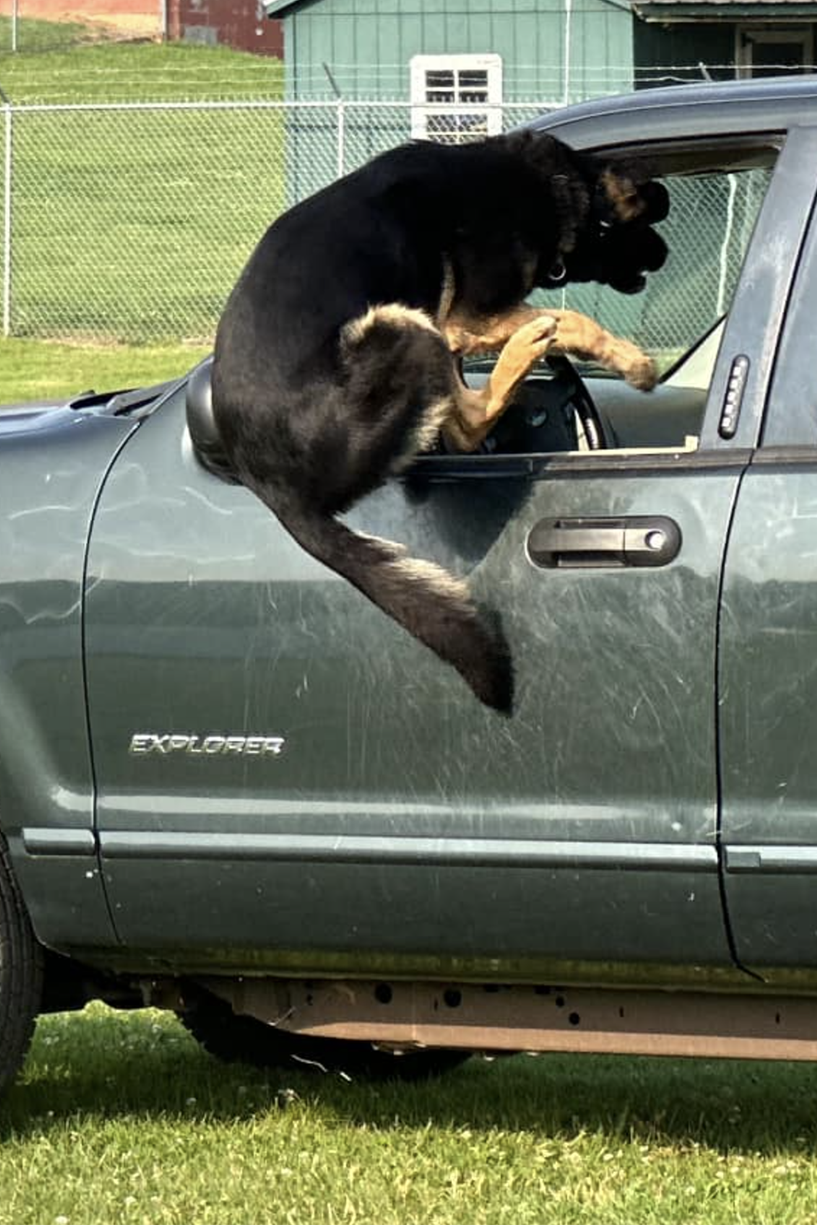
<point>649,810</point>
<point>682,46</point>
<point>54,464</point>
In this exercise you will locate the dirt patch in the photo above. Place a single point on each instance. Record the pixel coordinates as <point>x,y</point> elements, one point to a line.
<point>125,18</point>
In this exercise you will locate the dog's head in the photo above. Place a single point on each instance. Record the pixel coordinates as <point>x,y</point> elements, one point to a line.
<point>599,214</point>
<point>616,244</point>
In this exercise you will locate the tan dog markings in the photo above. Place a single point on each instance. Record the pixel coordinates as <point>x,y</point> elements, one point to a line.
<point>476,411</point>
<point>521,337</point>
<point>575,333</point>
<point>623,195</point>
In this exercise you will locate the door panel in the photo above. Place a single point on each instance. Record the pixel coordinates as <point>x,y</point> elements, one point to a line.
<point>400,817</point>
<point>768,695</point>
<point>767,671</point>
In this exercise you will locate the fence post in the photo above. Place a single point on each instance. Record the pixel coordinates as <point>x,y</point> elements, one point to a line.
<point>723,262</point>
<point>8,164</point>
<point>567,66</point>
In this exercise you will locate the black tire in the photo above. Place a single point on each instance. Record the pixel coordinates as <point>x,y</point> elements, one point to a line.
<point>242,1039</point>
<point>21,973</point>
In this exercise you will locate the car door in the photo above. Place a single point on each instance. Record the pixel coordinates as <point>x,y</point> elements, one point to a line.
<point>286,780</point>
<point>768,674</point>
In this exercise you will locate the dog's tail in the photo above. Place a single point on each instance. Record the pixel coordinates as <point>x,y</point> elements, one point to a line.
<point>431,604</point>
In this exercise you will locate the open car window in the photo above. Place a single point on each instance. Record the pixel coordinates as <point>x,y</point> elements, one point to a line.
<point>716,190</point>
<point>715,197</point>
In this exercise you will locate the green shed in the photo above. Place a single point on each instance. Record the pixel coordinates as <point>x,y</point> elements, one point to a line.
<point>549,50</point>
<point>679,40</point>
<point>362,75</point>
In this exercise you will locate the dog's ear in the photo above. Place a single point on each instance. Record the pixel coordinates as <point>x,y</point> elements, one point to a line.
<point>656,201</point>
<point>621,196</point>
<point>630,195</point>
<point>561,172</point>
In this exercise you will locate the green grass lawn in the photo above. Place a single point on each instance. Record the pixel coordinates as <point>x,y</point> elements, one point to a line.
<point>122,1118</point>
<point>36,35</point>
<point>31,369</point>
<point>130,72</point>
<point>150,250</point>
<point>133,226</point>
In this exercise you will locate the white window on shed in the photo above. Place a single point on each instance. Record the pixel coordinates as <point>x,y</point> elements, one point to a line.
<point>456,98</point>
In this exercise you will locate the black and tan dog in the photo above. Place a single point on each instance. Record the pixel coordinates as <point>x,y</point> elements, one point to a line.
<point>336,357</point>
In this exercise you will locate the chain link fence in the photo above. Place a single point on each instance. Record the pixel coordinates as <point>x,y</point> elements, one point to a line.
<point>130,222</point>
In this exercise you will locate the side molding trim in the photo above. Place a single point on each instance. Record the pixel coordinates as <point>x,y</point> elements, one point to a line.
<point>59,842</point>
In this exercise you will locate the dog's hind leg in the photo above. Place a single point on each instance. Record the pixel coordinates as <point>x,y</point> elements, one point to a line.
<point>341,439</point>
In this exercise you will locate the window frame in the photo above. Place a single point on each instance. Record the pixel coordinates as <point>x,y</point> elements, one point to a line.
<point>755,321</point>
<point>424,108</point>
<point>746,36</point>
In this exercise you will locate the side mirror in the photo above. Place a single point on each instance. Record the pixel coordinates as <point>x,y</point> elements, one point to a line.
<point>201,424</point>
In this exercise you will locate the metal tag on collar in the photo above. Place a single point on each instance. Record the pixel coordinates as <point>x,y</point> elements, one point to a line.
<point>558,271</point>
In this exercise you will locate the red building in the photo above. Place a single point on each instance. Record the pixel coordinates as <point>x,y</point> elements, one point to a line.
<point>241,24</point>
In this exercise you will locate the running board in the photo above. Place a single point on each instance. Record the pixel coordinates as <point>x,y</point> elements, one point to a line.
<point>517,1018</point>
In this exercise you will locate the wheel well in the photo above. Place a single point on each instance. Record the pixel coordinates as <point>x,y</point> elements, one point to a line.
<point>70,985</point>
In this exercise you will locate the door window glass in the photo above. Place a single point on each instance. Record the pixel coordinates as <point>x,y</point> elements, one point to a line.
<point>715,198</point>
<point>712,215</point>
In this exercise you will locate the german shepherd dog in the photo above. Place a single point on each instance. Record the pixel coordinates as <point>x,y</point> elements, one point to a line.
<point>336,358</point>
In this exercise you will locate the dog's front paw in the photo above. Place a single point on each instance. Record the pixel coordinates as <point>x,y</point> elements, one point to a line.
<point>528,344</point>
<point>633,363</point>
<point>642,373</point>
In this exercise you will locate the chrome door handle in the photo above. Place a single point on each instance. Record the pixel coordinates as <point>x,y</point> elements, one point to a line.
<point>638,540</point>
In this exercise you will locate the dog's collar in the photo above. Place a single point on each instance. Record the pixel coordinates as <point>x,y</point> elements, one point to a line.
<point>599,229</point>
<point>557,273</point>
<point>599,221</point>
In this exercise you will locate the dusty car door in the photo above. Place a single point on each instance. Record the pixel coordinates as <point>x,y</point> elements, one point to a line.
<point>286,780</point>
<point>768,667</point>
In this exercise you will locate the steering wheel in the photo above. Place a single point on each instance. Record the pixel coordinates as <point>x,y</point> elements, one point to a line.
<point>577,395</point>
<point>549,415</point>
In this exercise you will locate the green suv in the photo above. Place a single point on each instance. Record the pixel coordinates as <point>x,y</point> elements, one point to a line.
<point>231,787</point>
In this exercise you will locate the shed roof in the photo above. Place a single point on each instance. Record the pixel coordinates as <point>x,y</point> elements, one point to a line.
<point>730,4</point>
<point>653,10</point>
<point>726,10</point>
<point>279,8</point>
